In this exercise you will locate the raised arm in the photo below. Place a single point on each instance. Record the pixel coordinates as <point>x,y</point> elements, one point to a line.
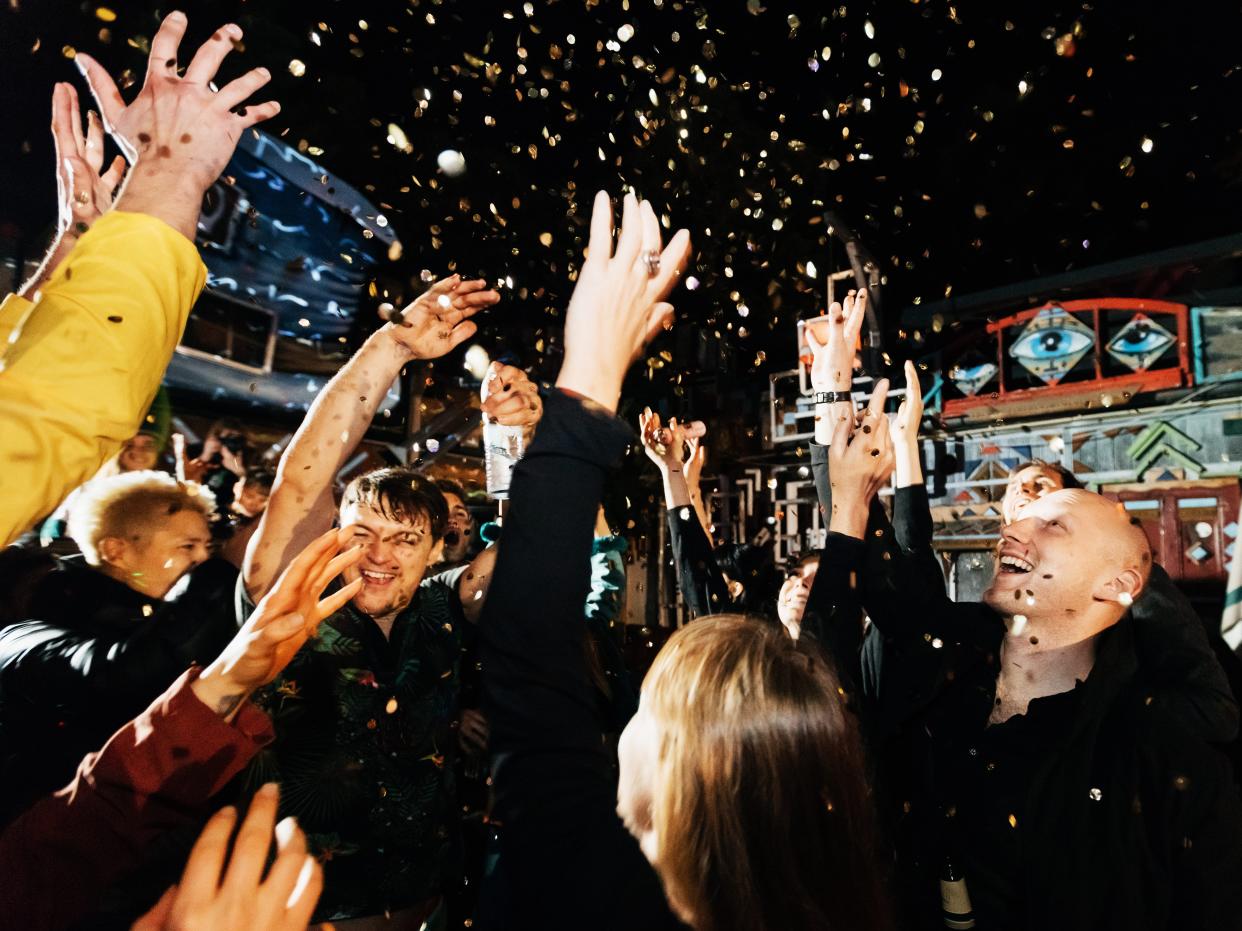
<point>301,506</point>
<point>672,448</point>
<point>554,788</point>
<point>88,357</point>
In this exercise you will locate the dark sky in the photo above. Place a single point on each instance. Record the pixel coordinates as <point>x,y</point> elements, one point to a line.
<point>971,144</point>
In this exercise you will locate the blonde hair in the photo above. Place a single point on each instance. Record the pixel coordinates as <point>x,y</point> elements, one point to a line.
<point>128,506</point>
<point>761,809</point>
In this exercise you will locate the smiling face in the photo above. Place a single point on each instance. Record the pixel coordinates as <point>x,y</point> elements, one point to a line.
<point>139,452</point>
<point>1070,564</point>
<point>791,602</point>
<point>395,558</point>
<point>1028,485</point>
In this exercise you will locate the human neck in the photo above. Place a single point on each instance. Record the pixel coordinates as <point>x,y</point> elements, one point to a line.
<point>124,577</point>
<point>1036,664</point>
<point>385,622</point>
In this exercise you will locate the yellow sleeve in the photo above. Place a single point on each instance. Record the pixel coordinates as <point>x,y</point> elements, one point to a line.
<point>85,366</point>
<point>13,310</point>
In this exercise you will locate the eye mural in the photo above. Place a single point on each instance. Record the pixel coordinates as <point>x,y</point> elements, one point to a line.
<point>1052,344</point>
<point>1140,343</point>
<point>970,375</point>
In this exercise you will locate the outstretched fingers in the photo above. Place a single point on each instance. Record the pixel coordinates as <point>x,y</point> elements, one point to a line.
<point>94,148</point>
<point>855,312</point>
<point>329,605</point>
<point>211,54</point>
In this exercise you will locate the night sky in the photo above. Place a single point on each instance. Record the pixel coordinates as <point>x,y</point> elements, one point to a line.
<point>971,144</point>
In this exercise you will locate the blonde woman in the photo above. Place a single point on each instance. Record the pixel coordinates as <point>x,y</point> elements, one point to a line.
<point>742,801</point>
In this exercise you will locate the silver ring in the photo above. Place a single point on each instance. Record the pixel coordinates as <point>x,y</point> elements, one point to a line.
<point>652,258</point>
<point>82,198</point>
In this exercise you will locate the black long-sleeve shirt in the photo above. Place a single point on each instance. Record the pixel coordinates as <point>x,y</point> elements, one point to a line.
<point>566,858</point>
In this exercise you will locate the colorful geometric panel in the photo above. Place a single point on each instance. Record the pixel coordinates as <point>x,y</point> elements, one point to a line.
<point>1052,344</point>
<point>970,377</point>
<point>1140,343</point>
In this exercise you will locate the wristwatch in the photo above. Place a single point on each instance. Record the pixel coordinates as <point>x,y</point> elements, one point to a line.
<point>832,397</point>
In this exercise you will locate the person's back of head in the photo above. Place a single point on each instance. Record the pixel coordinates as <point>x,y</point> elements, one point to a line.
<point>744,779</point>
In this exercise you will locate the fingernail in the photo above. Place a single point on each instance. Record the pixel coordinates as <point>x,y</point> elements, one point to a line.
<point>285,830</point>
<point>268,790</point>
<point>176,14</point>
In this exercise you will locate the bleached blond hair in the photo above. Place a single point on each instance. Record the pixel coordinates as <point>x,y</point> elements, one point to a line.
<point>130,506</point>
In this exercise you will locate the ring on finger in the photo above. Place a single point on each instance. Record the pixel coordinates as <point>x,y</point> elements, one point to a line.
<point>82,198</point>
<point>652,258</point>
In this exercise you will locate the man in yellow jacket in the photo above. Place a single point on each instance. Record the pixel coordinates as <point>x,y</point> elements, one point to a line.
<point>83,358</point>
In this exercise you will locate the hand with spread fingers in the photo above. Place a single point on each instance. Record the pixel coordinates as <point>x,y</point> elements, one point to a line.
<point>510,398</point>
<point>281,623</point>
<point>618,304</point>
<point>438,321</point>
<point>227,891</point>
<point>179,132</point>
<point>860,463</point>
<point>833,342</point>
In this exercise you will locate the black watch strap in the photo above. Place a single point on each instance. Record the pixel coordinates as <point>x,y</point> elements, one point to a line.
<point>832,397</point>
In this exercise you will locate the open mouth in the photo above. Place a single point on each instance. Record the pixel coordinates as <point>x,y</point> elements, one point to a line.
<point>370,577</point>
<point>451,538</point>
<point>1015,565</point>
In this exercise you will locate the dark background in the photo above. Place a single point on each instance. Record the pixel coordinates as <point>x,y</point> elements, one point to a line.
<point>955,185</point>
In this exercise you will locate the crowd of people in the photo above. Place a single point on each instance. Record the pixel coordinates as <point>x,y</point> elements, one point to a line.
<point>240,699</point>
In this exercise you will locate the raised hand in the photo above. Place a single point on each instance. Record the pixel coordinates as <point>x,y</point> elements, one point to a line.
<point>178,131</point>
<point>83,192</point>
<point>695,462</point>
<point>905,425</point>
<point>510,398</point>
<point>438,321</point>
<point>231,893</point>
<point>860,464</point>
<point>667,446</point>
<point>618,303</point>
<point>833,342</point>
<point>281,623</point>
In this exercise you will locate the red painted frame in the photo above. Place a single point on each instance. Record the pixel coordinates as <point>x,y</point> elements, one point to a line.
<point>1133,382</point>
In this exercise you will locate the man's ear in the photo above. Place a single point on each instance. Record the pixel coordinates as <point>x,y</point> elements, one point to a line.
<point>112,550</point>
<point>1122,589</point>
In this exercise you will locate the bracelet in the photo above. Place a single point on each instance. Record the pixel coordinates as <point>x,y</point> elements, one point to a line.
<point>833,397</point>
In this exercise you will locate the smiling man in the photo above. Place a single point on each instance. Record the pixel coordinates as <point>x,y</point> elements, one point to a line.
<point>1035,753</point>
<point>365,713</point>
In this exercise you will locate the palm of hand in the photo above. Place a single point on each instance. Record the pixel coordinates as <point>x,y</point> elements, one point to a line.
<point>423,331</point>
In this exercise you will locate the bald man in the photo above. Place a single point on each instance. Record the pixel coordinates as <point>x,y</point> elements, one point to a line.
<point>1026,748</point>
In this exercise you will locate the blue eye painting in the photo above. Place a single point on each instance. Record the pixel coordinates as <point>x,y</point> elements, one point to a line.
<point>1052,344</point>
<point>1140,343</point>
<point>969,377</point>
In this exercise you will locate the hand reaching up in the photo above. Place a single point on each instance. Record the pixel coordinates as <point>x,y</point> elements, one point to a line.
<point>618,303</point>
<point>84,193</point>
<point>860,464</point>
<point>669,447</point>
<point>226,892</point>
<point>833,342</point>
<point>438,321</point>
<point>178,132</point>
<point>905,426</point>
<point>281,623</point>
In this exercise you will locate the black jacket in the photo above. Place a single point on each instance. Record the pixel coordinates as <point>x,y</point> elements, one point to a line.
<point>93,655</point>
<point>566,859</point>
<point>1128,820</point>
